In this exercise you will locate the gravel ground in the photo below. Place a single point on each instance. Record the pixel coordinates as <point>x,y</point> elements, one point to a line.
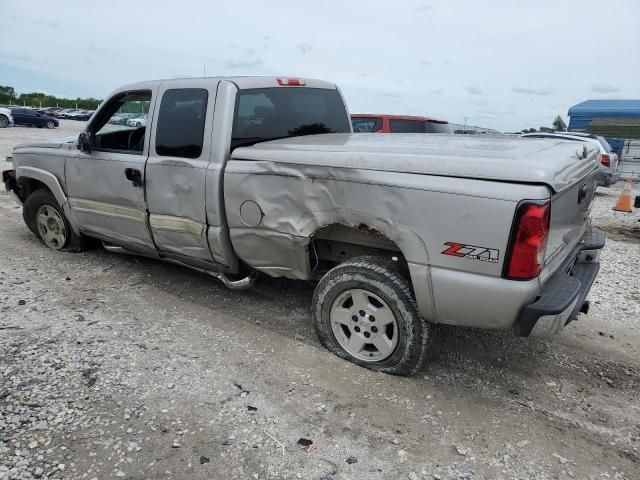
<point>121,367</point>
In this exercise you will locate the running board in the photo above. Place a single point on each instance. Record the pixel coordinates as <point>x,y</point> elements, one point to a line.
<point>242,284</point>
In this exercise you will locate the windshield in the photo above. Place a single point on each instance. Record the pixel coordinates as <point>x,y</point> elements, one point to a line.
<point>269,113</point>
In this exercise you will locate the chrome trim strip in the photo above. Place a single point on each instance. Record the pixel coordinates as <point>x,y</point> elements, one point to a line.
<point>175,224</point>
<point>106,209</point>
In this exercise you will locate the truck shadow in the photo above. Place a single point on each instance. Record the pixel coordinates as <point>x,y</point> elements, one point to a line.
<point>459,355</point>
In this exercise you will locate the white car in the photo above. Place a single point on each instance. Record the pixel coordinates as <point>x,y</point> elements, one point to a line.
<point>6,120</point>
<point>608,159</point>
<point>137,121</point>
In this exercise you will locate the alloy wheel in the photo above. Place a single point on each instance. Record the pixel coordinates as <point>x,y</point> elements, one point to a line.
<point>364,325</point>
<point>51,226</point>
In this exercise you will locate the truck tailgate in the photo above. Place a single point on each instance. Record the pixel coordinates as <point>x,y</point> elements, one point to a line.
<point>569,218</point>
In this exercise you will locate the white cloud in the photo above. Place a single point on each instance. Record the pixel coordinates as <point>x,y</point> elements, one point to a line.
<point>533,91</point>
<point>474,90</point>
<point>304,48</point>
<point>604,88</point>
<point>446,57</point>
<point>244,64</point>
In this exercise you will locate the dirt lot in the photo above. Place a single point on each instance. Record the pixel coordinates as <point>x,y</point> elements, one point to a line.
<point>121,367</point>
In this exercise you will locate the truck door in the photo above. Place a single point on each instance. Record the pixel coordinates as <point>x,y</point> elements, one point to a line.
<point>105,183</point>
<point>179,153</point>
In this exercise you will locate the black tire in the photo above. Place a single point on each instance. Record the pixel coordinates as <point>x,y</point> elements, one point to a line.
<point>4,121</point>
<point>40,197</point>
<point>383,278</point>
<point>50,124</point>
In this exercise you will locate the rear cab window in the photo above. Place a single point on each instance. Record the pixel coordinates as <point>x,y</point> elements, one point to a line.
<point>264,114</point>
<point>180,131</point>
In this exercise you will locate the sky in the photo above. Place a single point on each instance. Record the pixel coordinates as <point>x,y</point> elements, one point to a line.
<point>499,64</point>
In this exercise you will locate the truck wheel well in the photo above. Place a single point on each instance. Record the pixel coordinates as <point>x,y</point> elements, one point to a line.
<point>334,244</point>
<point>26,186</point>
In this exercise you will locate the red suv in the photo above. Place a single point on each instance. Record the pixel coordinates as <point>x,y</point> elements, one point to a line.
<point>397,124</point>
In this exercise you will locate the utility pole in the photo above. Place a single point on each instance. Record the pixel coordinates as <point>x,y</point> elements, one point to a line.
<point>204,70</point>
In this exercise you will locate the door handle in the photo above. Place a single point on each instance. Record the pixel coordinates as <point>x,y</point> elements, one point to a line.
<point>134,176</point>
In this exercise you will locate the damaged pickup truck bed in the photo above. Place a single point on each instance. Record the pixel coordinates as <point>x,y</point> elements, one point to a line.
<point>234,176</point>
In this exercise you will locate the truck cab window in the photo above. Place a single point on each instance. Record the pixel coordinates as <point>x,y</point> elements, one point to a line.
<point>268,113</point>
<point>122,125</point>
<point>180,131</point>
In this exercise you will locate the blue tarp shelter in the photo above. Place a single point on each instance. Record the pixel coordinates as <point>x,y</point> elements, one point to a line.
<point>580,115</point>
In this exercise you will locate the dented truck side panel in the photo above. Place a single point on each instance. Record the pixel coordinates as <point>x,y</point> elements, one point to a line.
<point>418,214</point>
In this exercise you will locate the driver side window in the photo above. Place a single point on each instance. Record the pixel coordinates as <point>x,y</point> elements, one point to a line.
<point>122,127</point>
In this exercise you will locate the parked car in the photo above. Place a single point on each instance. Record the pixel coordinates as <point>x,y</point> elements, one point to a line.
<point>72,115</point>
<point>397,124</point>
<point>78,115</point>
<point>122,118</point>
<point>51,111</point>
<point>67,112</point>
<point>27,116</point>
<point>609,174</point>
<point>62,113</point>
<point>139,121</point>
<point>6,119</point>
<point>84,116</point>
<point>235,176</point>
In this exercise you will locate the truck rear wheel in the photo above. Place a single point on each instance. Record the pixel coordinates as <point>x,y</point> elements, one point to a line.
<point>365,312</point>
<point>46,219</point>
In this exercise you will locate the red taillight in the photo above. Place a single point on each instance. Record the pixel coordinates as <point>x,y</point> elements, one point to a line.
<point>605,160</point>
<point>291,82</point>
<point>528,241</point>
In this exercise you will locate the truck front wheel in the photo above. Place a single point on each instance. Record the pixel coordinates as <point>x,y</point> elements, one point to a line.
<point>365,312</point>
<point>45,218</point>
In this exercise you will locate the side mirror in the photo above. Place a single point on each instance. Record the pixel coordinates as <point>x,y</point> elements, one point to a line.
<point>84,142</point>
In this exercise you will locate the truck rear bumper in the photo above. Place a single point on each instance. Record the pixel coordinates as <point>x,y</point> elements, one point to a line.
<point>563,295</point>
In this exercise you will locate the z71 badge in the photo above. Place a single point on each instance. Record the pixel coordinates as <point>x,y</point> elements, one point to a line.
<point>472,252</point>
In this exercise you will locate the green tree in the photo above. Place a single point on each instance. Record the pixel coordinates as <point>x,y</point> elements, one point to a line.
<point>559,125</point>
<point>38,99</point>
<point>7,92</point>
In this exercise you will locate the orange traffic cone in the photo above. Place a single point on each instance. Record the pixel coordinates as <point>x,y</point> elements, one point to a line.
<point>624,201</point>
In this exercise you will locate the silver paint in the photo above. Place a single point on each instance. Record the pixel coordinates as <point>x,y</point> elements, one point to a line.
<point>175,186</point>
<point>407,193</point>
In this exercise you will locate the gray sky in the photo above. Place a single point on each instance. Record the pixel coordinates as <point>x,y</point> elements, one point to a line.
<point>503,64</point>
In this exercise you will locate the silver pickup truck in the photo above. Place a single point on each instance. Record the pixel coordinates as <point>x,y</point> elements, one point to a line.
<point>235,176</point>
